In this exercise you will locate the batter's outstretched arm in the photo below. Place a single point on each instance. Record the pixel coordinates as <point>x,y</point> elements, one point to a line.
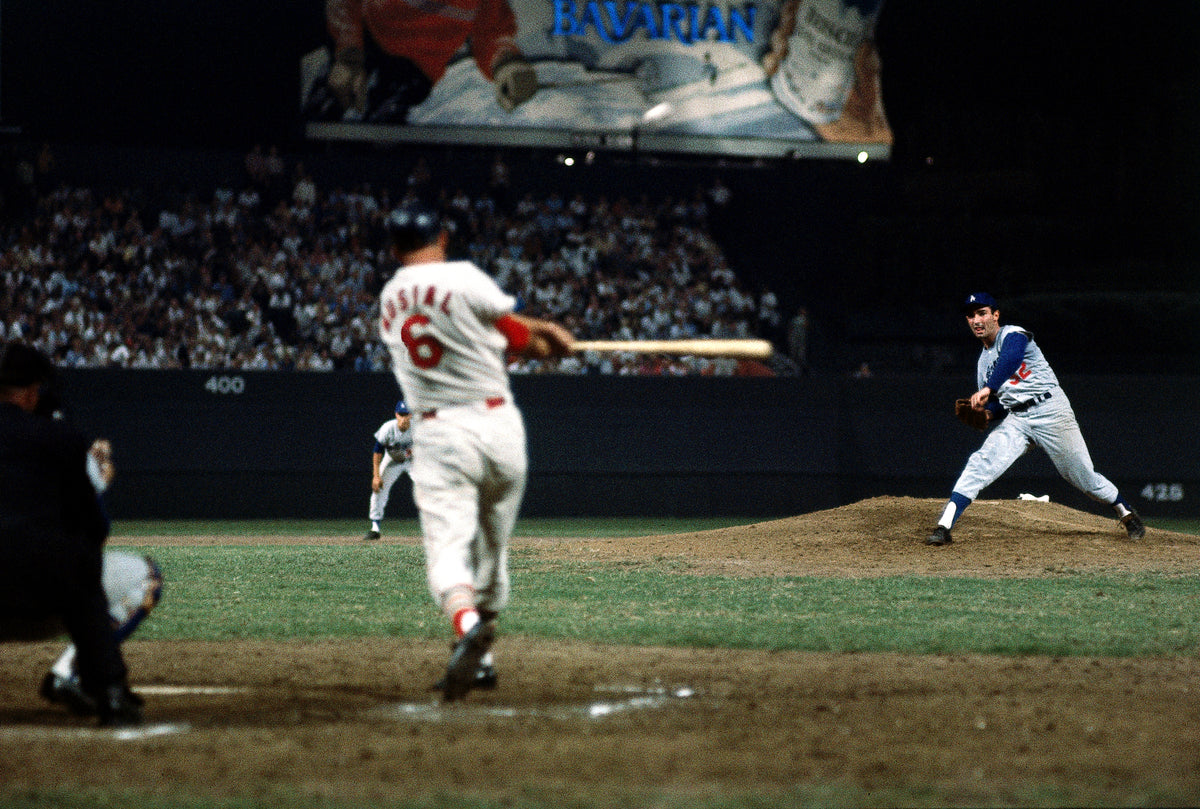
<point>535,338</point>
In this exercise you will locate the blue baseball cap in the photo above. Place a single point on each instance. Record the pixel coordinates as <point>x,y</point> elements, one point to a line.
<point>977,299</point>
<point>402,408</point>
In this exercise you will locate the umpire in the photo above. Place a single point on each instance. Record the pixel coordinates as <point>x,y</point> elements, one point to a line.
<point>52,533</point>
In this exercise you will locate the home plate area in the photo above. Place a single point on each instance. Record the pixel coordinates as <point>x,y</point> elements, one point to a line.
<point>607,701</point>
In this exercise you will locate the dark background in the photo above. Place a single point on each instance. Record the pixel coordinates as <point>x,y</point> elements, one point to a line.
<point>1045,151</point>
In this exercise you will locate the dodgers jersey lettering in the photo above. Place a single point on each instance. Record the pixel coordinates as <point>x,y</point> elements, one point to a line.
<point>438,322</point>
<point>396,443</point>
<point>1033,378</point>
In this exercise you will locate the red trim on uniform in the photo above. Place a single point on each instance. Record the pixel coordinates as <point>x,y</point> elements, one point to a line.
<point>516,332</point>
<point>457,620</point>
<point>491,402</point>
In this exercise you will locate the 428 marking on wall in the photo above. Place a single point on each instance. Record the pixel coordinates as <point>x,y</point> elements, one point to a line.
<point>1163,492</point>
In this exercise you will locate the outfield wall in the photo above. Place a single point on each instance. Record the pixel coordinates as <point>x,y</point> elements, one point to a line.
<point>264,444</point>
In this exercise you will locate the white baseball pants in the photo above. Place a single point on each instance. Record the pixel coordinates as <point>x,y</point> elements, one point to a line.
<point>468,472</point>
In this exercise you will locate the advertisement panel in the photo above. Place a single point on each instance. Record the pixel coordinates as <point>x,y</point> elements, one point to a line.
<point>792,78</point>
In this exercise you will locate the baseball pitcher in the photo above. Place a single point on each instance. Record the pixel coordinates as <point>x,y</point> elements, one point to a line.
<point>1020,401</point>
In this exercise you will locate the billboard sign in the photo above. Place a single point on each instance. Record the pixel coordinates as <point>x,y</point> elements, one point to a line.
<point>795,78</point>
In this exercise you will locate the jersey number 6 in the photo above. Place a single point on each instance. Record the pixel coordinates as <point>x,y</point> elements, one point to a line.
<point>424,349</point>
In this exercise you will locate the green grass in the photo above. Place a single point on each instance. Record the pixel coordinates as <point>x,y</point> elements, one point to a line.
<point>526,527</point>
<point>301,592</point>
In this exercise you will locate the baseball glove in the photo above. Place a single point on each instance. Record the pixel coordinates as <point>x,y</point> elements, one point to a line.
<point>969,415</point>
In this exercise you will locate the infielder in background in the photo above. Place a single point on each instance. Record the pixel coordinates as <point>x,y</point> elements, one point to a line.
<point>391,458</point>
<point>55,577</point>
<point>448,327</point>
<point>1020,400</point>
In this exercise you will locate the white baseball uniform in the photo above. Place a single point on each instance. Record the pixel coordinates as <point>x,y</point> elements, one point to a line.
<point>469,456</point>
<point>1039,413</point>
<point>396,447</point>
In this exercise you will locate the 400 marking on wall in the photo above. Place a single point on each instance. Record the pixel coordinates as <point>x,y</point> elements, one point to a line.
<point>225,385</point>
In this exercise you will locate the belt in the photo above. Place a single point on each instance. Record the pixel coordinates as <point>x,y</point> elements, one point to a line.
<point>1023,406</point>
<point>490,403</point>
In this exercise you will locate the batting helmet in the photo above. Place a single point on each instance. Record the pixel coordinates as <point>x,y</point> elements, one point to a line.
<point>412,226</point>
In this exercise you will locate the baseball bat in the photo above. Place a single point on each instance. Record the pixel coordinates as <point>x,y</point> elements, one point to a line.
<point>739,349</point>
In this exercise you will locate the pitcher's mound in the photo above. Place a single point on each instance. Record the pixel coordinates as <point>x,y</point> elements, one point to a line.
<point>885,536</point>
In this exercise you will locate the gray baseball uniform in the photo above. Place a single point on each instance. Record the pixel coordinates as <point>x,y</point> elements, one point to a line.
<point>1028,408</point>
<point>1040,414</point>
<point>132,585</point>
<point>395,446</point>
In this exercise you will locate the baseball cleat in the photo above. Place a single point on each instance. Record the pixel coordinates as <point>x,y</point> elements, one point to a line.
<point>66,691</point>
<point>940,536</point>
<point>1133,525</point>
<point>463,667</point>
<point>486,679</point>
<point>371,535</point>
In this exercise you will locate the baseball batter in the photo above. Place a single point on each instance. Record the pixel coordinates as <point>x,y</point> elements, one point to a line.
<point>448,327</point>
<point>1024,406</point>
<point>391,457</point>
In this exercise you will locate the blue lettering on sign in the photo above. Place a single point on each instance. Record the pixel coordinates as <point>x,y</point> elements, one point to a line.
<point>615,22</point>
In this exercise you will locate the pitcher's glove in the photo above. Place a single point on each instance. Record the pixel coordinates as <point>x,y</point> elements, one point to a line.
<point>969,415</point>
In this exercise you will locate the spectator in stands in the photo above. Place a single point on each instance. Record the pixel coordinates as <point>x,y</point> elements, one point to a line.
<point>236,283</point>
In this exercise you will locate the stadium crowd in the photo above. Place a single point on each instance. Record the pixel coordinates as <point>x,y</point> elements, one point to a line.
<point>280,275</point>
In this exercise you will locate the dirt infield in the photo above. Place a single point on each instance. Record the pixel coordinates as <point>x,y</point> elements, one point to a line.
<point>295,723</point>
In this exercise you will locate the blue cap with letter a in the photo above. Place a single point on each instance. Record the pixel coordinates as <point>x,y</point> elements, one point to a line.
<point>977,299</point>
<point>401,408</point>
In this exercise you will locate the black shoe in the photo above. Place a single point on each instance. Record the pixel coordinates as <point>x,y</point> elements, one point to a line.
<point>486,679</point>
<point>1133,525</point>
<point>940,536</point>
<point>464,661</point>
<point>66,691</point>
<point>371,535</point>
<point>120,708</point>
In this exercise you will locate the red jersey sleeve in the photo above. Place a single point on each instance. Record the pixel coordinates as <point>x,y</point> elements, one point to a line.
<point>516,332</point>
